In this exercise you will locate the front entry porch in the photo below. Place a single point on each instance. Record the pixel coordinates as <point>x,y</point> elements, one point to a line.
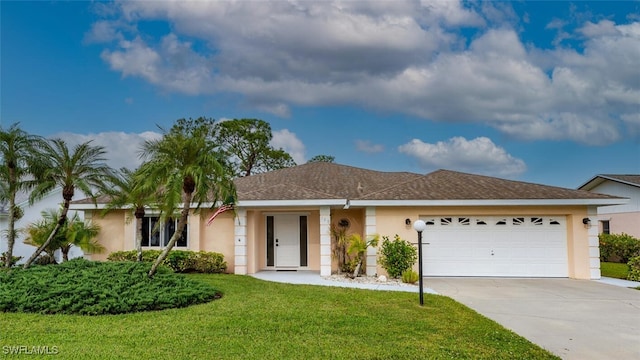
<point>296,238</point>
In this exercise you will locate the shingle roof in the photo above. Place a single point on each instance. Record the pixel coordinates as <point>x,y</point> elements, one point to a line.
<point>333,181</point>
<point>630,179</point>
<point>318,180</point>
<point>329,181</point>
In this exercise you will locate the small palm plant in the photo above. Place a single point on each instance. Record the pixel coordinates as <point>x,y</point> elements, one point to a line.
<point>358,246</point>
<point>74,232</point>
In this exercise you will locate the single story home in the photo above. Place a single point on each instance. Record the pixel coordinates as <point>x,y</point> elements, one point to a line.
<point>623,218</point>
<point>476,225</point>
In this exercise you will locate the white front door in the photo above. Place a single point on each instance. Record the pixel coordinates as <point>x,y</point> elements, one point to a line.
<point>287,240</point>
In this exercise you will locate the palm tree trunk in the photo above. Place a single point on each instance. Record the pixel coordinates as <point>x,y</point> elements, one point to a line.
<point>61,220</point>
<point>176,235</point>
<point>139,215</point>
<point>139,238</point>
<point>65,253</point>
<point>12,231</point>
<point>356,272</point>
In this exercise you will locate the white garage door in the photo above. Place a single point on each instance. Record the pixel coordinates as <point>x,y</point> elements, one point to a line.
<point>528,246</point>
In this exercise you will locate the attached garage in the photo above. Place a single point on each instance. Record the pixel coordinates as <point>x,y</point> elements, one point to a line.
<point>527,246</point>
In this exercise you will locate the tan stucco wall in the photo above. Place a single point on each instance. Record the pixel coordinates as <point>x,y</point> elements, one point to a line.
<point>117,235</point>
<point>217,237</point>
<point>112,232</point>
<point>391,221</point>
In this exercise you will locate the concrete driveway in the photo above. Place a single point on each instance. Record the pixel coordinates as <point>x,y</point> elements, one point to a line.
<point>574,319</point>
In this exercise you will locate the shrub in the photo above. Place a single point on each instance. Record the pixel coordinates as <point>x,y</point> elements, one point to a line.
<point>409,276</point>
<point>634,269</point>
<point>83,287</point>
<point>178,260</point>
<point>207,262</point>
<point>618,247</point>
<point>397,256</point>
<point>45,259</point>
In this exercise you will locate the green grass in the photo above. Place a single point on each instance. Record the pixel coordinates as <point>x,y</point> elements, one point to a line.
<point>614,270</point>
<point>262,320</point>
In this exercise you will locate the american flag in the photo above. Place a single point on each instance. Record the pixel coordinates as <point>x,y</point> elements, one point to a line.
<point>220,210</point>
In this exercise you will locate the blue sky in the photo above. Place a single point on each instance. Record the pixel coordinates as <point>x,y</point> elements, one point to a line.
<point>538,91</point>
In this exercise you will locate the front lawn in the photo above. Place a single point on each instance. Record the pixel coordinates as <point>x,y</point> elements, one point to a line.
<point>614,270</point>
<point>255,319</point>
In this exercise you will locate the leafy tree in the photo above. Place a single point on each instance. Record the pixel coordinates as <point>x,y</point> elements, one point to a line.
<point>74,232</point>
<point>185,167</point>
<point>128,192</point>
<point>322,158</point>
<point>81,168</point>
<point>17,148</point>
<point>246,145</point>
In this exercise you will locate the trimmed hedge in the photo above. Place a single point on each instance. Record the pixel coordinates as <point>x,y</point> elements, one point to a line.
<point>618,247</point>
<point>84,287</point>
<point>180,261</point>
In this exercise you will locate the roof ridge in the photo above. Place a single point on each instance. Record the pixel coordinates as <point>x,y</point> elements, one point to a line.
<point>415,178</point>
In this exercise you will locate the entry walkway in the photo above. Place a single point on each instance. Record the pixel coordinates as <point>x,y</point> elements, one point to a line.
<point>314,278</point>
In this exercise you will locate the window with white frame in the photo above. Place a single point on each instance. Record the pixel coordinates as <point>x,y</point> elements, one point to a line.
<point>157,234</point>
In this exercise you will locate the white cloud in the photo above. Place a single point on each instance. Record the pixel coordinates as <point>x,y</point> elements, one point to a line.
<point>122,149</point>
<point>398,56</point>
<point>288,141</point>
<point>368,147</point>
<point>479,155</point>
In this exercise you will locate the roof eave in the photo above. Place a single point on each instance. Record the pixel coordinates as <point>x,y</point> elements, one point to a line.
<point>492,202</point>
<point>291,203</point>
<point>599,179</point>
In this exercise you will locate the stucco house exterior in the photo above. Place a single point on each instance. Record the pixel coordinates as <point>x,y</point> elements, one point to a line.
<point>476,225</point>
<point>623,218</point>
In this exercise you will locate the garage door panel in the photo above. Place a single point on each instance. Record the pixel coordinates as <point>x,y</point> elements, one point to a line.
<point>495,246</point>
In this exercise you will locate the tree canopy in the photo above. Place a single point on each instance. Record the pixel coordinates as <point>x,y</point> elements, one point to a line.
<point>322,158</point>
<point>246,145</point>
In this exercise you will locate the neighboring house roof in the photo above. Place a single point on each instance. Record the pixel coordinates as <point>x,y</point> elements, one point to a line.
<point>324,183</point>
<point>632,180</point>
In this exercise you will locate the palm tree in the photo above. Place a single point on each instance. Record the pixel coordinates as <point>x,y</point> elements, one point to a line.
<point>74,232</point>
<point>126,192</point>
<point>16,149</point>
<point>83,168</point>
<point>185,167</point>
<point>358,246</point>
